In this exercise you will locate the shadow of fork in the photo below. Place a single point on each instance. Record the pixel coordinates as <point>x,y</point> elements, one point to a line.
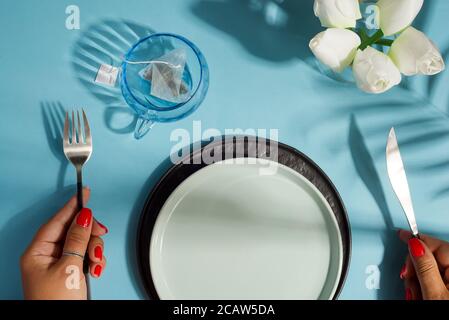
<point>53,114</point>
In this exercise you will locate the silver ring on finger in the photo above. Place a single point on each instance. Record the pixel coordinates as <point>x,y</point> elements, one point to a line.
<point>73,254</point>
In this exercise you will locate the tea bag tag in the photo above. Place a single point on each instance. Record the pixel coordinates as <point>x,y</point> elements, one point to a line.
<point>107,75</point>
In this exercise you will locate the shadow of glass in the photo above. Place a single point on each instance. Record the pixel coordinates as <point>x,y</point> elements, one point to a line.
<point>19,230</point>
<point>269,29</point>
<point>107,42</point>
<point>53,115</point>
<point>120,120</point>
<point>391,287</point>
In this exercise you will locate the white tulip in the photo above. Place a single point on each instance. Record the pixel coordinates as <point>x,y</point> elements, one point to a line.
<point>374,71</point>
<point>414,53</point>
<point>396,15</point>
<point>335,48</point>
<point>337,13</point>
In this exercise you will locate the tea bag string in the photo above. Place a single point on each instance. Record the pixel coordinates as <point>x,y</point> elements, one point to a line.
<point>171,65</point>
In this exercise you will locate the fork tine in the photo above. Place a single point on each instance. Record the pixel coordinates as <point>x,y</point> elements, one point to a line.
<point>86,129</point>
<point>66,128</point>
<point>73,128</point>
<point>80,131</point>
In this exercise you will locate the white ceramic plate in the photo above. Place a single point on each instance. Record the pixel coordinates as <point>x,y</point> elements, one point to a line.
<point>228,232</point>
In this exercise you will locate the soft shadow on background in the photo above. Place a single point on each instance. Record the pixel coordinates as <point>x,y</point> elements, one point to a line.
<point>269,29</point>
<point>20,224</point>
<point>53,114</point>
<point>273,30</point>
<point>106,42</point>
<point>391,286</point>
<point>17,229</point>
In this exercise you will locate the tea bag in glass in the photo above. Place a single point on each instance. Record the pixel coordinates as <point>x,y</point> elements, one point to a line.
<point>166,76</point>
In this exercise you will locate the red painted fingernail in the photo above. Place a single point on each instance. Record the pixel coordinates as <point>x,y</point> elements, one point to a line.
<point>403,271</point>
<point>84,217</point>
<point>97,270</point>
<point>98,252</point>
<point>103,227</point>
<point>408,294</point>
<point>416,248</point>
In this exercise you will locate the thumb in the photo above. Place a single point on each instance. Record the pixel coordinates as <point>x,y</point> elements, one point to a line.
<point>426,267</point>
<point>77,238</point>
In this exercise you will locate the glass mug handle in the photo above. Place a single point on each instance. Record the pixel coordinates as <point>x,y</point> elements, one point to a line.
<point>142,127</point>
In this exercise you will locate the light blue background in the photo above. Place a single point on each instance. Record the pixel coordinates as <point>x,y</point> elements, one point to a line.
<point>262,76</point>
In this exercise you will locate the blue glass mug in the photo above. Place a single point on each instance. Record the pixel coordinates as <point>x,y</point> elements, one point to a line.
<point>137,90</point>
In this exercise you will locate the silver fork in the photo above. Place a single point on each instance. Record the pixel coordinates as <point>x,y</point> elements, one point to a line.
<point>78,149</point>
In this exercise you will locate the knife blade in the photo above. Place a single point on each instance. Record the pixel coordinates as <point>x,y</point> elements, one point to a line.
<point>398,179</point>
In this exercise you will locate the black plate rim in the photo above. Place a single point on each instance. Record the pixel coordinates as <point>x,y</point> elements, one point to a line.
<point>144,232</point>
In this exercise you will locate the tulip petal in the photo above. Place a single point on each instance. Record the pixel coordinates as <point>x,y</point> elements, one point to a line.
<point>396,15</point>
<point>414,53</point>
<point>350,9</point>
<point>335,47</point>
<point>337,13</point>
<point>374,71</point>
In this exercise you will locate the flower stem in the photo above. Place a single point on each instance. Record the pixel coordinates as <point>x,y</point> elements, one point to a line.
<point>367,41</point>
<point>363,35</point>
<point>385,42</point>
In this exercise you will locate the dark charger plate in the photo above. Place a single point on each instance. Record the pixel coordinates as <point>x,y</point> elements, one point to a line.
<point>227,148</point>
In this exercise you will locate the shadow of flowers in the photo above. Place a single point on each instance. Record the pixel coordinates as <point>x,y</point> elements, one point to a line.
<point>269,29</point>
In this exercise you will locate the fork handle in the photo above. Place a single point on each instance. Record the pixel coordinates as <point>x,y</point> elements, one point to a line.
<point>79,192</point>
<point>79,196</point>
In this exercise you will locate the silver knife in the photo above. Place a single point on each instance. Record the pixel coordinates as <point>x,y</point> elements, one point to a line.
<point>398,179</point>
